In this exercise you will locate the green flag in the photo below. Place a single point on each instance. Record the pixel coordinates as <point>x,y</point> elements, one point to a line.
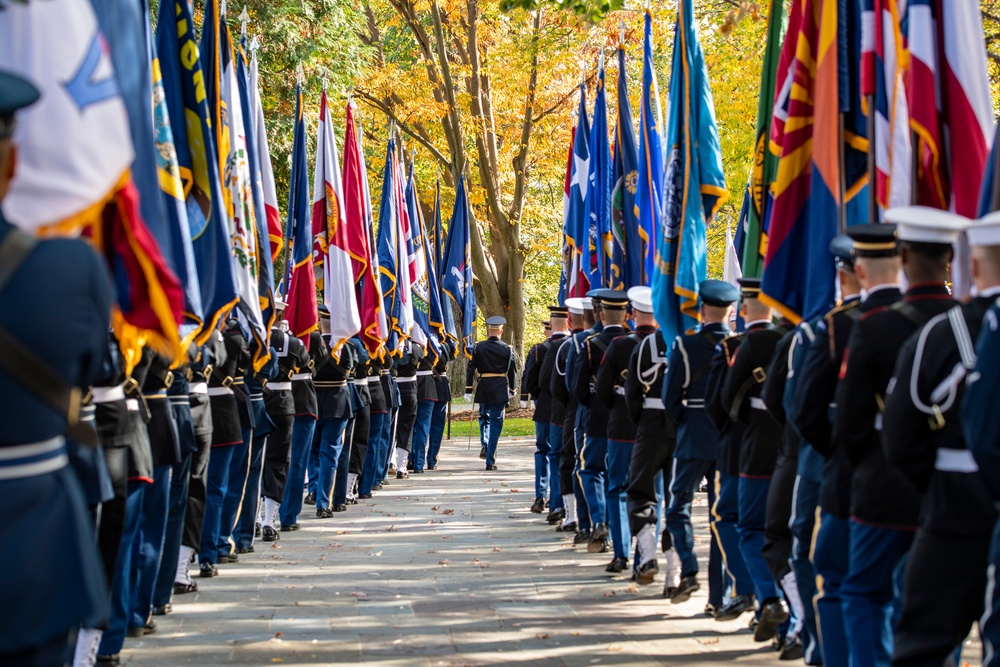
<point>765,163</point>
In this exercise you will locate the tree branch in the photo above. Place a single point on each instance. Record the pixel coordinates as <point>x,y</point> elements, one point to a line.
<point>375,102</point>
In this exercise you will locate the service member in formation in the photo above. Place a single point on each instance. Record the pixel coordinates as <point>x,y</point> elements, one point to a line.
<point>655,438</point>
<point>594,324</point>
<point>427,396</point>
<point>741,394</point>
<point>922,436</point>
<point>593,456</point>
<point>48,361</point>
<point>303,430</point>
<point>361,429</point>
<point>610,390</point>
<point>558,320</point>
<point>406,378</point>
<point>532,388</point>
<point>439,417</point>
<point>885,507</point>
<point>493,361</point>
<point>378,438</point>
<point>684,391</point>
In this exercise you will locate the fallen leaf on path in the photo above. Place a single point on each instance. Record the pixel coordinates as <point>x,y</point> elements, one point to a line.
<point>277,659</point>
<point>279,634</point>
<point>476,561</point>
<point>542,636</point>
<point>497,549</point>
<point>359,595</point>
<point>448,512</point>
<point>610,594</point>
<point>709,641</point>
<point>494,490</point>
<point>444,563</point>
<point>632,588</point>
<point>515,490</point>
<point>614,649</point>
<point>391,528</point>
<point>435,508</point>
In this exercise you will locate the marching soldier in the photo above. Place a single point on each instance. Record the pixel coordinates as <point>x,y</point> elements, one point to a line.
<point>378,438</point>
<point>531,387</point>
<point>335,411</point>
<point>741,395</point>
<point>427,396</point>
<point>593,456</point>
<point>655,437</point>
<point>884,506</point>
<point>610,390</point>
<point>406,418</point>
<point>361,428</point>
<point>558,319</point>
<point>922,437</point>
<point>303,429</point>
<point>440,415</point>
<point>493,360</point>
<point>684,391</point>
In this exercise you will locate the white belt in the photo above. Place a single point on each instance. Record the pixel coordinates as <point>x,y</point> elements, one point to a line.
<point>405,379</point>
<point>302,376</point>
<point>132,404</point>
<point>955,460</point>
<point>354,382</point>
<point>424,373</point>
<point>198,388</point>
<point>694,403</point>
<point>36,458</point>
<point>620,391</point>
<point>106,394</point>
<point>181,399</point>
<point>653,404</point>
<point>220,391</point>
<point>279,386</point>
<point>757,403</point>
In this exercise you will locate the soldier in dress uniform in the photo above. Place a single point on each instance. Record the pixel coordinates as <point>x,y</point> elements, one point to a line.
<point>874,264</point>
<point>335,411</point>
<point>493,361</point>
<point>378,415</point>
<point>406,379</point>
<point>594,324</point>
<point>303,429</point>
<point>884,506</point>
<point>684,391</point>
<point>610,390</point>
<point>45,605</point>
<point>440,414</point>
<point>741,395</point>
<point>575,518</point>
<point>981,426</point>
<point>558,322</point>
<point>427,396</point>
<point>361,430</point>
<point>655,437</point>
<point>593,456</point>
<point>531,387</point>
<point>922,436</point>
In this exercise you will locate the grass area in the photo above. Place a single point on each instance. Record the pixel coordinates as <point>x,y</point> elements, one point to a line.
<point>511,426</point>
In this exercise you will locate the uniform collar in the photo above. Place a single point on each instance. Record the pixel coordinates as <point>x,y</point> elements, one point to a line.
<point>929,291</point>
<point>645,330</point>
<point>990,292</point>
<point>494,338</point>
<point>713,327</point>
<point>559,334</point>
<point>613,327</point>
<point>757,324</point>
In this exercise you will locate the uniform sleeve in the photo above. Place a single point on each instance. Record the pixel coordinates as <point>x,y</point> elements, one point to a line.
<point>470,370</point>
<point>713,395</point>
<point>270,369</point>
<point>569,370</point>
<point>529,378</point>
<point>674,381</point>
<point>814,391</point>
<point>607,375</point>
<point>634,394</point>
<point>980,418</point>
<point>97,345</point>
<point>511,374</point>
<point>739,371</point>
<point>581,379</point>
<point>906,433</point>
<point>856,403</point>
<point>773,391</point>
<point>557,382</point>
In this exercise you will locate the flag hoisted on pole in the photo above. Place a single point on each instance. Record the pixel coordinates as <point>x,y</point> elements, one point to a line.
<point>300,279</point>
<point>331,252</point>
<point>81,118</point>
<point>375,284</point>
<point>420,286</point>
<point>566,248</point>
<point>577,219</point>
<point>626,245</point>
<point>821,177</point>
<point>456,280</point>
<point>765,162</point>
<point>447,316</point>
<point>358,239</point>
<point>596,258</point>
<point>649,195</point>
<point>695,186</point>
<point>275,236</point>
<point>183,83</point>
<point>406,253</point>
<point>388,251</point>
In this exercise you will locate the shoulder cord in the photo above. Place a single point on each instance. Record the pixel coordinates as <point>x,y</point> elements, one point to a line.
<point>657,360</point>
<point>944,395</point>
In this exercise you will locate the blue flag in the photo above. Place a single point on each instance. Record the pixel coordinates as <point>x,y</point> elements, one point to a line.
<point>626,244</point>
<point>387,244</point>
<point>577,218</point>
<point>184,91</point>
<point>695,185</point>
<point>456,280</point>
<point>447,316</point>
<point>596,262</point>
<point>649,192</point>
<point>300,279</point>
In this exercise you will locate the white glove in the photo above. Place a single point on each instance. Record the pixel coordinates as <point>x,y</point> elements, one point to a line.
<point>524,405</point>
<point>468,398</point>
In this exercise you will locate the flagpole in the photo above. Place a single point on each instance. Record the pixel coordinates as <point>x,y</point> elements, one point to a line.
<point>842,181</point>
<point>872,166</point>
<point>288,231</point>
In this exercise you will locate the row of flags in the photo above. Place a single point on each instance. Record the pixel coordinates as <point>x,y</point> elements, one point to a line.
<point>153,146</point>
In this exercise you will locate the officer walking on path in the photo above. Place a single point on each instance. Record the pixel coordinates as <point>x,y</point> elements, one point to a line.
<point>493,360</point>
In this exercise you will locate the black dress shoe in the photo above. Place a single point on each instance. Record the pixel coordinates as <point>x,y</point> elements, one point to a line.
<point>162,610</point>
<point>111,660</point>
<point>409,466</point>
<point>582,536</point>
<point>482,453</point>
<point>376,487</point>
<point>710,609</point>
<point>184,589</point>
<point>149,628</point>
<point>245,550</point>
<point>617,565</point>
<point>538,506</point>
<point>418,471</point>
<point>402,474</point>
<point>135,632</point>
<point>647,572</point>
<point>773,613</point>
<point>556,516</point>
<point>689,584</point>
<point>227,558</point>
<point>567,527</point>
<point>598,539</point>
<point>434,467</point>
<point>270,534</point>
<point>257,530</point>
<point>208,570</point>
<point>339,508</point>
<point>323,514</point>
<point>738,606</point>
<point>790,648</point>
<point>364,496</point>
<point>290,527</point>
<point>310,499</point>
<point>491,467</point>
<point>352,501</point>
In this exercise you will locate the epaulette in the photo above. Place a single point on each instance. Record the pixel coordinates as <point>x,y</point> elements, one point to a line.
<point>842,308</point>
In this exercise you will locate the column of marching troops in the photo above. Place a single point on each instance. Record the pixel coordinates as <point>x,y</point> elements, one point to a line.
<point>852,462</point>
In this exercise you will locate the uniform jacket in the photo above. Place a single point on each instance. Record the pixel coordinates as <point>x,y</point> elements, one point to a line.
<point>441,381</point>
<point>727,460</point>
<point>647,369</point>
<point>164,441</point>
<point>589,361</point>
<point>232,362</point>
<point>358,382</point>
<point>685,388</point>
<point>980,419</point>
<point>332,393</point>
<point>426,387</point>
<point>928,450</point>
<point>495,358</point>
<point>611,379</point>
<point>547,369</point>
<point>291,355</point>
<point>531,384</point>
<point>303,385</point>
<point>375,392</point>
<point>879,493</point>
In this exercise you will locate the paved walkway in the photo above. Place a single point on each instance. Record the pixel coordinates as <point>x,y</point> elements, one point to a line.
<point>447,568</point>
